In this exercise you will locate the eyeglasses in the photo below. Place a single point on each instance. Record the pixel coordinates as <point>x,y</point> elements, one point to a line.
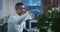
<point>21,8</point>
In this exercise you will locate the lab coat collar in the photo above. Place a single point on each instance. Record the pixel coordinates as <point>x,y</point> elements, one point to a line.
<point>18,15</point>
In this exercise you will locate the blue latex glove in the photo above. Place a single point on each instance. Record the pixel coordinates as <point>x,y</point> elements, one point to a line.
<point>35,11</point>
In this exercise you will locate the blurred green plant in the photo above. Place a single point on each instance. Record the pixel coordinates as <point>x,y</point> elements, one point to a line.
<point>56,22</point>
<point>47,17</point>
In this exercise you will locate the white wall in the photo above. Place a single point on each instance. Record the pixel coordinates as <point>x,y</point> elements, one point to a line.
<point>0,14</point>
<point>8,8</point>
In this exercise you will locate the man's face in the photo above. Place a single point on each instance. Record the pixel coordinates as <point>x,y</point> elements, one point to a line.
<point>20,9</point>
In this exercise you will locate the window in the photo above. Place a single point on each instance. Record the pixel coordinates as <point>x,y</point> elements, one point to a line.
<point>0,4</point>
<point>59,2</point>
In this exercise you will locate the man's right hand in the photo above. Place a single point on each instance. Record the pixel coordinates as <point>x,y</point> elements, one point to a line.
<point>28,12</point>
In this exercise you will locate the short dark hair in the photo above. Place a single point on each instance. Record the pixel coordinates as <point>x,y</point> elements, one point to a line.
<point>18,4</point>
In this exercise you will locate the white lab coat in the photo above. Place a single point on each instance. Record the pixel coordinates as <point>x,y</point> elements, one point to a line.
<point>14,20</point>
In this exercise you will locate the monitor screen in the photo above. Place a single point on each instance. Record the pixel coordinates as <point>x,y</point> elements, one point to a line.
<point>33,24</point>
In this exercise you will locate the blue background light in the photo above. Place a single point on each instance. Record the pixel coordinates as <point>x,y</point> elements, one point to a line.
<point>31,2</point>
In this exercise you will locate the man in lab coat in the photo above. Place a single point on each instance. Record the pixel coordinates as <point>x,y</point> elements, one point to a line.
<point>18,17</point>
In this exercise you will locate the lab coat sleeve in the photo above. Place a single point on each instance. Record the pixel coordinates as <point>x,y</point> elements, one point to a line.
<point>13,20</point>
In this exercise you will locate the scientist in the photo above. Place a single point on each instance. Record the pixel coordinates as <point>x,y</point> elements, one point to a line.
<point>18,17</point>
